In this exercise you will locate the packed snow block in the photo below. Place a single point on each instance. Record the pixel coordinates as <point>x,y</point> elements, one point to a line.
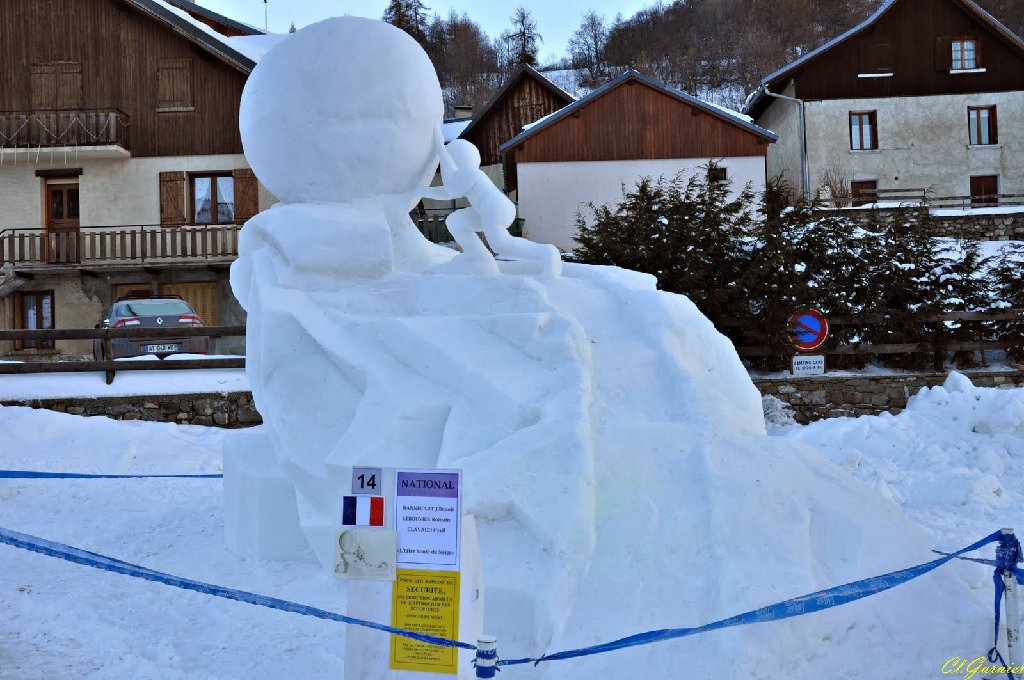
<point>342,112</point>
<point>260,516</point>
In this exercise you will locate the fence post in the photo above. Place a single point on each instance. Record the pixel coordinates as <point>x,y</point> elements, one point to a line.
<point>486,656</point>
<point>1010,596</point>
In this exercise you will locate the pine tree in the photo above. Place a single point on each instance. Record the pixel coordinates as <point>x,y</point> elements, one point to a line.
<point>520,44</point>
<point>963,288</point>
<point>410,16</point>
<point>1008,277</point>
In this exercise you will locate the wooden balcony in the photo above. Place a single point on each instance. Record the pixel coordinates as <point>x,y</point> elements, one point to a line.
<point>122,245</point>
<point>89,128</point>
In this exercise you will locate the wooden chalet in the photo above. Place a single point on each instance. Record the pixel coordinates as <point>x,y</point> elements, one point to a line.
<point>121,165</point>
<point>631,127</point>
<point>526,98</point>
<point>924,94</point>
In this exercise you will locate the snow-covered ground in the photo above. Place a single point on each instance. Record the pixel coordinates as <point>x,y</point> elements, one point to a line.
<point>953,461</point>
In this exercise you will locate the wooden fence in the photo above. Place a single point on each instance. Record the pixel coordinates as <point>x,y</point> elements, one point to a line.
<point>111,367</point>
<point>940,345</point>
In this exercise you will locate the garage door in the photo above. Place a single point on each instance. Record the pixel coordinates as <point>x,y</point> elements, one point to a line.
<point>202,295</point>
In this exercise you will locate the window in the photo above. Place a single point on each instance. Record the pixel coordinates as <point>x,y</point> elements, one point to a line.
<point>875,58</point>
<point>213,199</point>
<point>717,174</point>
<point>964,54</point>
<point>33,310</point>
<point>56,85</point>
<point>863,135</point>
<point>984,190</point>
<point>981,125</point>
<point>174,85</point>
<point>864,191</point>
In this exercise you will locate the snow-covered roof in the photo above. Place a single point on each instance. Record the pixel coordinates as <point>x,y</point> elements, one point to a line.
<point>789,68</point>
<point>523,71</point>
<point>255,46</point>
<point>193,7</point>
<point>719,111</point>
<point>453,128</point>
<point>195,31</point>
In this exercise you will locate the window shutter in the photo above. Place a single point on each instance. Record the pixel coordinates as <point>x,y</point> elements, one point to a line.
<point>69,85</point>
<point>943,53</point>
<point>993,125</point>
<point>44,87</point>
<point>174,84</point>
<point>979,61</point>
<point>247,195</point>
<point>172,199</point>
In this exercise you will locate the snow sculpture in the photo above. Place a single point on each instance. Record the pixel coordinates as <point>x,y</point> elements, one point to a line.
<point>612,445</point>
<point>490,212</point>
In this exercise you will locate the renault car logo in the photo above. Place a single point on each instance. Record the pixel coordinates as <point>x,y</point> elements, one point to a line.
<point>159,320</point>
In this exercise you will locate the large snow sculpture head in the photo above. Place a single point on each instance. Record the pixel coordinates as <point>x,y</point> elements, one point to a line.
<point>342,110</point>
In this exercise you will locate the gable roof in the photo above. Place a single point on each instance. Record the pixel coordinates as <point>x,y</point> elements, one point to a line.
<point>524,71</point>
<point>781,74</point>
<point>199,34</point>
<point>716,111</point>
<point>197,10</point>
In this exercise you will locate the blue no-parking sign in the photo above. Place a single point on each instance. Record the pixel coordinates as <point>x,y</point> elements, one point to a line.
<point>808,329</point>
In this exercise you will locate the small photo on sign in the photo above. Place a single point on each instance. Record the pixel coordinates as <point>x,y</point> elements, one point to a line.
<point>362,511</point>
<point>365,553</point>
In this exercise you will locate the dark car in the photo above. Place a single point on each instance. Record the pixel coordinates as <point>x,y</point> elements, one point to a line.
<point>158,311</point>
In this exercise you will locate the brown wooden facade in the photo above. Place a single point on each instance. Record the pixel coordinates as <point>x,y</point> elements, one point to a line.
<point>179,99</point>
<point>910,40</point>
<point>631,119</point>
<point>526,98</point>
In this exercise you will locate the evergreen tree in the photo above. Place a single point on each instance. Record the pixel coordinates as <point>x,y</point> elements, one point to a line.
<point>520,44</point>
<point>963,288</point>
<point>1008,276</point>
<point>905,273</point>
<point>410,16</point>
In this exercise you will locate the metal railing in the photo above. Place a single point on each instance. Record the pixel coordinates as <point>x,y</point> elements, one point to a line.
<point>882,199</point>
<point>67,127</point>
<point>118,244</point>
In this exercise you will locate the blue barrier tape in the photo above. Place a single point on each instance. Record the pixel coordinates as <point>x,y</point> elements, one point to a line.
<point>90,559</point>
<point>29,474</point>
<point>1018,572</point>
<point>1008,556</point>
<point>798,606</point>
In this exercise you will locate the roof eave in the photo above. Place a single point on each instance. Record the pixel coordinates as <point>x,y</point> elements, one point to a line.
<point>208,42</point>
<point>768,135</point>
<point>523,68</point>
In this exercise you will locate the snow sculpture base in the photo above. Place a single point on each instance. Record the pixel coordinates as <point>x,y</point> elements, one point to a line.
<point>260,516</point>
<point>367,652</point>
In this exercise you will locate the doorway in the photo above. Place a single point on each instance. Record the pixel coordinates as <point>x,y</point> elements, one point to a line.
<point>61,241</point>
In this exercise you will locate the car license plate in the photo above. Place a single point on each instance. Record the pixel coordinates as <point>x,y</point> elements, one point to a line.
<point>154,349</point>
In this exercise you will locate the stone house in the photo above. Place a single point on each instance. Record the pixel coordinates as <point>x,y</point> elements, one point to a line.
<point>923,95</point>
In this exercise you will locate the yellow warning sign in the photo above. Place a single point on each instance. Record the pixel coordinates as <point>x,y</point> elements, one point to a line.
<point>426,602</point>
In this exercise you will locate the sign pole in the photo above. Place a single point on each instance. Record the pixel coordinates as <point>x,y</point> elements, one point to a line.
<point>1010,597</point>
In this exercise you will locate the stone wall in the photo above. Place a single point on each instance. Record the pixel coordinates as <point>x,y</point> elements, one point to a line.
<point>832,396</point>
<point>233,409</point>
<point>996,227</point>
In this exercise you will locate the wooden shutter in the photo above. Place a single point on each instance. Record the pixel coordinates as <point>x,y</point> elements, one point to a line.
<point>943,53</point>
<point>993,124</point>
<point>978,61</point>
<point>69,85</point>
<point>875,56</point>
<point>174,85</point>
<point>247,195</point>
<point>202,295</point>
<point>172,199</point>
<point>44,87</point>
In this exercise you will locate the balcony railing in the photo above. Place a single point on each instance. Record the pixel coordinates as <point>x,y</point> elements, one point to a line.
<point>77,127</point>
<point>118,245</point>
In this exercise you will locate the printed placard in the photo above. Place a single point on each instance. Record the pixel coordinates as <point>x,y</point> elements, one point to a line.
<point>367,481</point>
<point>808,364</point>
<point>425,602</point>
<point>427,518</point>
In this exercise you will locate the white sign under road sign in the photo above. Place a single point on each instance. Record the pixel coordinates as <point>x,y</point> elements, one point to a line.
<point>808,364</point>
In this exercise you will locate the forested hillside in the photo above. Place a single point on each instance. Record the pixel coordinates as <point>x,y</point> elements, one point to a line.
<point>716,49</point>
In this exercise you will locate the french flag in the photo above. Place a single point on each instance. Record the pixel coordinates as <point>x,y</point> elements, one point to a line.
<point>362,511</point>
